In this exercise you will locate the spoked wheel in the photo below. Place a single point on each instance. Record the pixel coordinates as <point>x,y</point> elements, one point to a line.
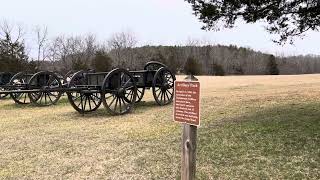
<point>162,86</point>
<point>153,65</point>
<point>19,82</point>
<point>3,95</point>
<point>67,77</point>
<point>48,84</point>
<point>119,92</point>
<point>85,100</point>
<point>61,78</point>
<point>4,79</point>
<point>140,94</point>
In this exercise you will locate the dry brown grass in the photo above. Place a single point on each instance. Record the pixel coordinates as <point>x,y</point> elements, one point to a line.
<point>58,143</point>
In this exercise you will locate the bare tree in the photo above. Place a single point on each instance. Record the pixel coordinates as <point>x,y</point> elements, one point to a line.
<point>122,40</point>
<point>121,45</point>
<point>41,40</point>
<point>73,52</point>
<point>15,32</point>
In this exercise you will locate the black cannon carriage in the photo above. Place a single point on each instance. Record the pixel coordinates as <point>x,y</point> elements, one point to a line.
<point>119,89</point>
<point>39,88</point>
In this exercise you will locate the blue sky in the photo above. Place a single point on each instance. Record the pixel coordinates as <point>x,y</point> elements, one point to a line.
<point>165,22</point>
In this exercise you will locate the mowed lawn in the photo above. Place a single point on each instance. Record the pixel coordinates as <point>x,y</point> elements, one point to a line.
<point>253,127</point>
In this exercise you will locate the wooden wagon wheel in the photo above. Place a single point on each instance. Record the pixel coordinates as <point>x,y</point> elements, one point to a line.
<point>4,79</point>
<point>153,65</point>
<point>119,92</point>
<point>140,94</point>
<point>1,88</point>
<point>67,77</point>
<point>83,101</point>
<point>162,86</point>
<point>60,77</point>
<point>19,80</point>
<point>45,82</point>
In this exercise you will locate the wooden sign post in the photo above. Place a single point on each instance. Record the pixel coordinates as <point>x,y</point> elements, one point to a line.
<point>187,111</point>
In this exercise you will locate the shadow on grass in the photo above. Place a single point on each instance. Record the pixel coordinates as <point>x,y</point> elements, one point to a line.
<point>281,142</point>
<point>145,105</point>
<point>11,104</point>
<point>139,108</point>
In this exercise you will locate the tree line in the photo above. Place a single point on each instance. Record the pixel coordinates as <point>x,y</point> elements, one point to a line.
<point>64,53</point>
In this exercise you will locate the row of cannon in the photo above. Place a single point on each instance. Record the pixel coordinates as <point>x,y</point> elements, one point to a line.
<point>118,90</point>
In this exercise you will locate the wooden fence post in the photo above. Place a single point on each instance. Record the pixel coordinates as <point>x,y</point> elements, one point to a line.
<point>189,145</point>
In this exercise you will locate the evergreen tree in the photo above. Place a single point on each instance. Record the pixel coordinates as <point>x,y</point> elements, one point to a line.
<point>192,66</point>
<point>172,61</point>
<point>217,70</point>
<point>78,65</point>
<point>12,55</point>
<point>272,66</point>
<point>101,62</point>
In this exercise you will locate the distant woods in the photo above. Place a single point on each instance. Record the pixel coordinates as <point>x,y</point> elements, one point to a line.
<point>64,53</point>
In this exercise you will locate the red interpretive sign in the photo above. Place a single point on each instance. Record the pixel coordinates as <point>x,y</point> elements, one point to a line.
<point>187,102</point>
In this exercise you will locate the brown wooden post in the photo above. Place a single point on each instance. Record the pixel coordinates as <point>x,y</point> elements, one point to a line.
<point>189,144</point>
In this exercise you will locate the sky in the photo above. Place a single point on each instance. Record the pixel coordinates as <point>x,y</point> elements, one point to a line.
<point>154,22</point>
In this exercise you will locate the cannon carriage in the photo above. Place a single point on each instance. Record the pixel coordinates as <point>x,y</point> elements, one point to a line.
<point>118,90</point>
<point>26,88</point>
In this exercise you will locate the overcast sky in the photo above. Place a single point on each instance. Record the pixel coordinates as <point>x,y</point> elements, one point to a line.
<point>157,22</point>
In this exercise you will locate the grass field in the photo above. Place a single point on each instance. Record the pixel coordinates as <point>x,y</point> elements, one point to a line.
<point>253,127</point>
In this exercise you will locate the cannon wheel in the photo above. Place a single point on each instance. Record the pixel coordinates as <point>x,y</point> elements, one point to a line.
<point>3,95</point>
<point>162,86</point>
<point>60,77</point>
<point>18,79</point>
<point>140,94</point>
<point>119,92</point>
<point>82,101</point>
<point>67,77</point>
<point>153,65</point>
<point>4,79</point>
<point>44,81</point>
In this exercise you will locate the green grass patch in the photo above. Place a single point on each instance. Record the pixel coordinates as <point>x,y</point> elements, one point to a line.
<point>282,142</point>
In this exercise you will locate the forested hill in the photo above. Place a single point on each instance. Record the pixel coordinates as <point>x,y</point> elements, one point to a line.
<point>76,54</point>
<point>215,60</point>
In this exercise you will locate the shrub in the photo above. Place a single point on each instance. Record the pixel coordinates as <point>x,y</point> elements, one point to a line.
<point>192,66</point>
<point>101,62</point>
<point>218,70</point>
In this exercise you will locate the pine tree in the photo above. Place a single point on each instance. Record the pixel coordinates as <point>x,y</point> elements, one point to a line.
<point>272,66</point>
<point>101,62</point>
<point>12,55</point>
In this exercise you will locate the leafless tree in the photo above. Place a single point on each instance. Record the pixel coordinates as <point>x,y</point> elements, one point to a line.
<point>122,40</point>
<point>41,41</point>
<point>15,32</point>
<point>68,51</point>
<point>121,45</point>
